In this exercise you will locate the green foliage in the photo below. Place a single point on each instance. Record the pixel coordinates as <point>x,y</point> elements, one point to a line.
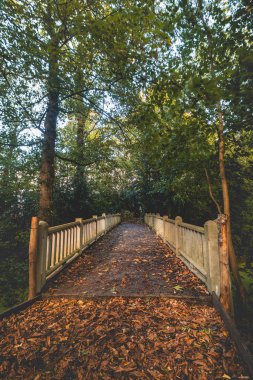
<point>138,84</point>
<point>13,280</point>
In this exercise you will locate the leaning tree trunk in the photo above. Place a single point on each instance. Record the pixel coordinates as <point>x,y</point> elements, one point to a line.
<point>47,171</point>
<point>226,203</point>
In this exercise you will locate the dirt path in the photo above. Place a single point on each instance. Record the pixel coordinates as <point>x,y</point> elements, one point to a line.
<point>128,261</point>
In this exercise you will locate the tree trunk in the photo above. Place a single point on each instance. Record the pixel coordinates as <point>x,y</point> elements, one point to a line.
<point>226,202</point>
<point>80,185</point>
<point>47,171</point>
<point>80,147</point>
<point>226,293</point>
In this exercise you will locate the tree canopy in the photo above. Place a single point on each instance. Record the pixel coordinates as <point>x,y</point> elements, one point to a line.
<point>111,106</point>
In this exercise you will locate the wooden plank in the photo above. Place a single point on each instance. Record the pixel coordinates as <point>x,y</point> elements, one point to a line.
<point>67,243</point>
<point>49,251</point>
<point>192,227</point>
<point>22,306</point>
<point>85,221</point>
<point>229,323</point>
<point>54,249</point>
<point>62,227</point>
<point>58,234</point>
<point>62,244</point>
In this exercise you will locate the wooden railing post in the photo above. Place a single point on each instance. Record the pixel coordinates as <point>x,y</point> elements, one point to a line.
<point>41,256</point>
<point>80,220</point>
<point>96,226</point>
<point>212,257</point>
<point>178,220</point>
<point>225,281</point>
<point>165,217</point>
<point>33,245</point>
<point>104,216</point>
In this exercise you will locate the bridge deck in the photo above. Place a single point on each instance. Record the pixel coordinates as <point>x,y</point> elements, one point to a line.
<point>128,261</point>
<point>128,327</point>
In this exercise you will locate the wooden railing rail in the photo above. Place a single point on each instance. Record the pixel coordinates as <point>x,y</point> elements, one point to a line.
<point>197,247</point>
<point>53,247</point>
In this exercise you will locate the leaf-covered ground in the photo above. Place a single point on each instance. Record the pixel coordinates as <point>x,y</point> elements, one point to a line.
<point>128,261</point>
<point>117,338</point>
<point>121,322</point>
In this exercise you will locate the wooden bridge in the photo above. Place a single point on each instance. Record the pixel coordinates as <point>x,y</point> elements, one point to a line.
<point>134,304</point>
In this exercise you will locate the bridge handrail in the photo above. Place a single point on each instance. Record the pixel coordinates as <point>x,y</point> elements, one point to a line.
<point>54,247</point>
<point>197,247</point>
<point>62,227</point>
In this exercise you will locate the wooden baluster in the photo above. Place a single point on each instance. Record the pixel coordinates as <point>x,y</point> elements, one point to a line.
<point>49,251</point>
<point>67,243</point>
<point>63,244</point>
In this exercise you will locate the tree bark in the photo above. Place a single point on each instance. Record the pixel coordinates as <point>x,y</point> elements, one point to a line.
<point>80,147</point>
<point>79,182</point>
<point>226,293</point>
<point>47,171</point>
<point>226,203</point>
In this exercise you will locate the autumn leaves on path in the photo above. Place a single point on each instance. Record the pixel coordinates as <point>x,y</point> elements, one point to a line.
<point>128,261</point>
<point>116,338</point>
<point>122,322</point>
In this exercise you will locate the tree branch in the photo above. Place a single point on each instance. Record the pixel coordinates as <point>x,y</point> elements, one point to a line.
<point>211,193</point>
<point>72,161</point>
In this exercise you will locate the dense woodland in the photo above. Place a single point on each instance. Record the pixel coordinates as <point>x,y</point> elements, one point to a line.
<point>124,106</point>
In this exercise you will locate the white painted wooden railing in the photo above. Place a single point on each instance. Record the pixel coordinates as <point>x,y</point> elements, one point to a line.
<point>59,245</point>
<point>197,246</point>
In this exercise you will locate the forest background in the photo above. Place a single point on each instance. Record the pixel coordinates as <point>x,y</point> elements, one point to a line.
<point>114,106</point>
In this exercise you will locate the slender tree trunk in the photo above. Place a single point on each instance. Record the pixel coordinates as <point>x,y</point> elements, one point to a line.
<point>226,202</point>
<point>226,293</point>
<point>47,171</point>
<point>80,187</point>
<point>225,193</point>
<point>80,148</point>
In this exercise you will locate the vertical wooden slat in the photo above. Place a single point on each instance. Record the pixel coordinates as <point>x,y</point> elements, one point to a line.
<point>84,234</point>
<point>70,241</point>
<point>78,245</point>
<point>63,244</point>
<point>73,240</point>
<point>68,247</point>
<point>57,255</point>
<point>54,249</point>
<point>66,243</point>
<point>49,251</point>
